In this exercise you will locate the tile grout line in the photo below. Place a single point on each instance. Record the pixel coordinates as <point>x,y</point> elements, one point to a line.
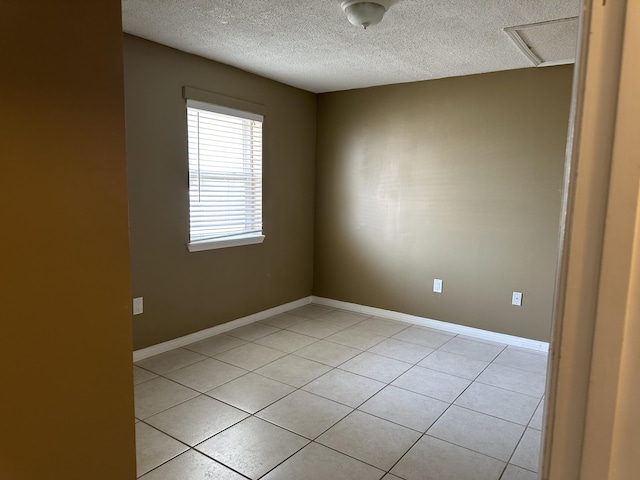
<point>332,368</point>
<point>189,447</point>
<point>467,448</point>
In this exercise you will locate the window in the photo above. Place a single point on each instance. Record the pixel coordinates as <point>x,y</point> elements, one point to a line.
<point>225,176</point>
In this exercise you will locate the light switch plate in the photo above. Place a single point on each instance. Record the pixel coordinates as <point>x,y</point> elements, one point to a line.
<point>437,285</point>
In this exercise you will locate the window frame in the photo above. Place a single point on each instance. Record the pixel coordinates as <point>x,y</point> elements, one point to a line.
<point>217,103</point>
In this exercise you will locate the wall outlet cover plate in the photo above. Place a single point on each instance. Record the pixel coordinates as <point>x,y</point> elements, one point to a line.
<point>137,306</point>
<point>516,299</point>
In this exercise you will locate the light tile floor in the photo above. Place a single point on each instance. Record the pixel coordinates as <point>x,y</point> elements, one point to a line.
<point>317,393</point>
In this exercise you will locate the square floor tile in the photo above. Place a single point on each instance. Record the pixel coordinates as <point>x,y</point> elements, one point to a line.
<point>141,375</point>
<point>399,350</point>
<point>283,320</point>
<point>196,420</point>
<point>527,454</point>
<point>355,338</point>
<point>205,375</point>
<point>536,420</point>
<point>423,336</point>
<point>253,331</point>
<point>433,459</point>
<point>470,348</point>
<point>192,465</point>
<point>375,366</point>
<point>250,356</point>
<point>251,392</point>
<point>286,341</point>
<point>381,326</point>
<point>522,359</point>
<point>317,462</point>
<point>315,328</point>
<point>425,381</point>
<point>153,448</point>
<point>370,439</point>
<point>513,379</point>
<point>406,408</point>
<point>294,371</point>
<point>215,345</point>
<point>252,447</point>
<point>305,413</point>
<point>312,310</point>
<point>454,364</point>
<point>158,394</point>
<point>498,402</point>
<point>478,432</point>
<point>170,361</point>
<point>328,353</point>
<point>516,473</point>
<point>344,387</point>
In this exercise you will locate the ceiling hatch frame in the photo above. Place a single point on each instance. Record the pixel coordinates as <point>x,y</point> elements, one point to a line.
<point>514,35</point>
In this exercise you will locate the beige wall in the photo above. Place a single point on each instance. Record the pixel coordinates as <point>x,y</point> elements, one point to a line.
<point>186,292</point>
<point>458,179</point>
<point>65,339</point>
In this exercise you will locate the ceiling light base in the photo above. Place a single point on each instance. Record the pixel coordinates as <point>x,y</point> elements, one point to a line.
<point>365,13</point>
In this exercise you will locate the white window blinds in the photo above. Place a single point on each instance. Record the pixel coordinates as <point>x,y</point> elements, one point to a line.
<point>225,172</point>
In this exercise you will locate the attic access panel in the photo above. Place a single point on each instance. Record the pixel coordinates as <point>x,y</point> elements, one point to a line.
<point>547,43</point>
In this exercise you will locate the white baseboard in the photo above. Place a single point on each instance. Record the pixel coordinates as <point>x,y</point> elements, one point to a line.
<point>352,307</point>
<point>437,324</point>
<point>218,329</point>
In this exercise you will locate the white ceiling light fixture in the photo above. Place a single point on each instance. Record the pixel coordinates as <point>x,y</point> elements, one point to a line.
<point>365,14</point>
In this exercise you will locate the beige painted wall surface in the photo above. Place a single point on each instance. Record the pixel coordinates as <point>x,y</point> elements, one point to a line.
<point>457,179</point>
<point>65,316</point>
<point>186,292</point>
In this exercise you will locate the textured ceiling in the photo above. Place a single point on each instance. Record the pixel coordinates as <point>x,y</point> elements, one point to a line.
<point>310,44</point>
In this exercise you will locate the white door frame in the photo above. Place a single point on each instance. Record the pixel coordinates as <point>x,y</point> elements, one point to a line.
<point>588,425</point>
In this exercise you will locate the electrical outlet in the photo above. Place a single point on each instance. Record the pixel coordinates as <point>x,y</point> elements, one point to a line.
<point>437,285</point>
<point>137,306</point>
<point>516,299</point>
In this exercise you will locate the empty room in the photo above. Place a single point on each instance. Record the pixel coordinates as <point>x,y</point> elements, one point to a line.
<point>390,239</point>
<point>409,188</point>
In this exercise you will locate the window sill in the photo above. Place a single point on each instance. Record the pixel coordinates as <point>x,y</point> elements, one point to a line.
<point>224,243</point>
